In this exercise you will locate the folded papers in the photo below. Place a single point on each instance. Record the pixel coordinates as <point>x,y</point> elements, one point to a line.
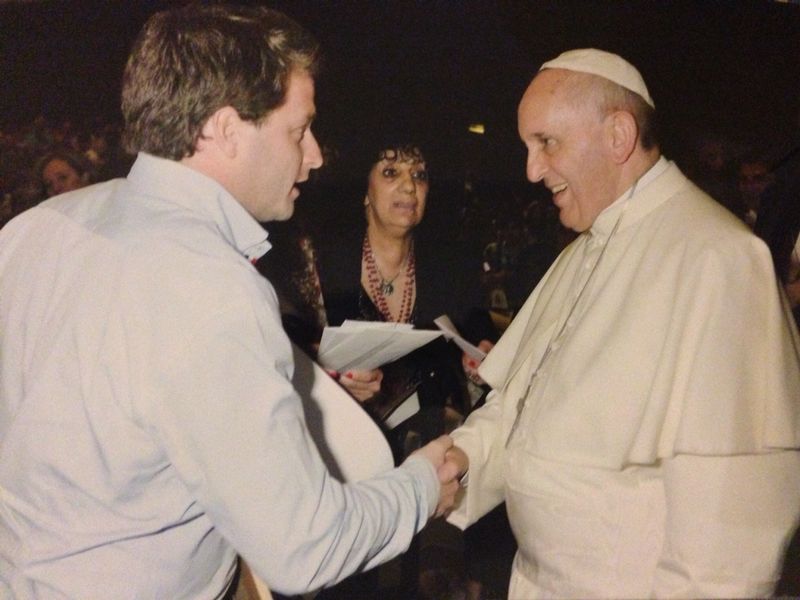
<point>366,345</point>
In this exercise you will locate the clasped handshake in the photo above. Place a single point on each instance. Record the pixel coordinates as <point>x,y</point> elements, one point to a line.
<point>451,463</point>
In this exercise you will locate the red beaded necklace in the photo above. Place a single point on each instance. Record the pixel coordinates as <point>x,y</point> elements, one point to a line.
<point>378,285</point>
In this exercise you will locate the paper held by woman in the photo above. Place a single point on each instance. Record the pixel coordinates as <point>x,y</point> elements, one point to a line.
<point>366,345</point>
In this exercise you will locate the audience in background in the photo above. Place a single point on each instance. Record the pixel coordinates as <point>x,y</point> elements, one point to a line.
<point>26,150</point>
<point>754,178</point>
<point>64,170</point>
<point>712,168</point>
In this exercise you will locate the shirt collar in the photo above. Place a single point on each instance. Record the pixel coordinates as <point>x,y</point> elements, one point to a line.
<point>607,219</point>
<point>178,184</point>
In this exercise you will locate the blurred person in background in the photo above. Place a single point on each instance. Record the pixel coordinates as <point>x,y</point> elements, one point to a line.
<point>64,170</point>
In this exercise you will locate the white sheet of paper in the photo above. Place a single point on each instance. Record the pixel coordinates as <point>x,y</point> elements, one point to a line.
<point>350,443</point>
<point>362,345</point>
<point>332,337</point>
<point>354,324</point>
<point>451,333</point>
<point>407,409</point>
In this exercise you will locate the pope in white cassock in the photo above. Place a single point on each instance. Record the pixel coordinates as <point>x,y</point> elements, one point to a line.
<point>643,426</point>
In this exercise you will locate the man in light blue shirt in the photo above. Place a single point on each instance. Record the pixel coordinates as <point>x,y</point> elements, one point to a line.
<point>149,430</point>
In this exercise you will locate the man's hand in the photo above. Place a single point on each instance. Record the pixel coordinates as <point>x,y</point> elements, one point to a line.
<point>437,452</point>
<point>361,385</point>
<point>456,464</point>
<point>459,459</point>
<point>471,365</point>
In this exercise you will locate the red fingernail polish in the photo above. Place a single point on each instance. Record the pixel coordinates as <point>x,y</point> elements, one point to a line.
<point>349,375</point>
<point>472,363</point>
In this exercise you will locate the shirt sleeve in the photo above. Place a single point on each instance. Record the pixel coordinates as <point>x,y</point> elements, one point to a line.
<point>232,426</point>
<point>728,521</point>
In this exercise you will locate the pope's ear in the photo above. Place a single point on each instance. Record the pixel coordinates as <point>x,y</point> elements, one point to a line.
<point>221,130</point>
<point>623,135</point>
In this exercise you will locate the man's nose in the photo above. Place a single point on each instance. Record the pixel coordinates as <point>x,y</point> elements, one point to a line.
<point>313,153</point>
<point>535,167</point>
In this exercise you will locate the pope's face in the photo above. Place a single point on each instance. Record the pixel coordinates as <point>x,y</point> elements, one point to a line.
<point>567,143</point>
<point>279,153</point>
<point>396,192</point>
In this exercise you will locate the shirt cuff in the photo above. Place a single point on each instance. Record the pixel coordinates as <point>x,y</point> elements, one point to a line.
<point>424,472</point>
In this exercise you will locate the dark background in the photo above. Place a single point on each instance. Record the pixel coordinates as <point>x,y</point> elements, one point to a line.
<point>728,69</point>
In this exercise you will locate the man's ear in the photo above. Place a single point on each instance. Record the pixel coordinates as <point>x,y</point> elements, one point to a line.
<point>221,130</point>
<point>623,135</point>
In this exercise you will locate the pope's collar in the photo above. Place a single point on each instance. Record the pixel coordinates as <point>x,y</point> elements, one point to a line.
<point>607,219</point>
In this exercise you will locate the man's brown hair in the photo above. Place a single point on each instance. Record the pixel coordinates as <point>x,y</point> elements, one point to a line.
<point>189,62</point>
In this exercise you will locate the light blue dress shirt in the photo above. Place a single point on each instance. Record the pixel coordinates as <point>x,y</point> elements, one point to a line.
<point>149,431</point>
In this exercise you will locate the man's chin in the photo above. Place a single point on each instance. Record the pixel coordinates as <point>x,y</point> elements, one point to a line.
<point>572,221</point>
<point>276,215</point>
<point>565,219</point>
<point>283,215</point>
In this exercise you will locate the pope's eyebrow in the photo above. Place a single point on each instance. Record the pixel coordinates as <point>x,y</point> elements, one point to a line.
<point>536,136</point>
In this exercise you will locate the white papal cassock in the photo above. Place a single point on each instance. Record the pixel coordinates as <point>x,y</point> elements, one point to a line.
<point>655,451</point>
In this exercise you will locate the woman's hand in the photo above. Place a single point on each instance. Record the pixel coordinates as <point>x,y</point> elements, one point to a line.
<point>362,385</point>
<point>471,365</point>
